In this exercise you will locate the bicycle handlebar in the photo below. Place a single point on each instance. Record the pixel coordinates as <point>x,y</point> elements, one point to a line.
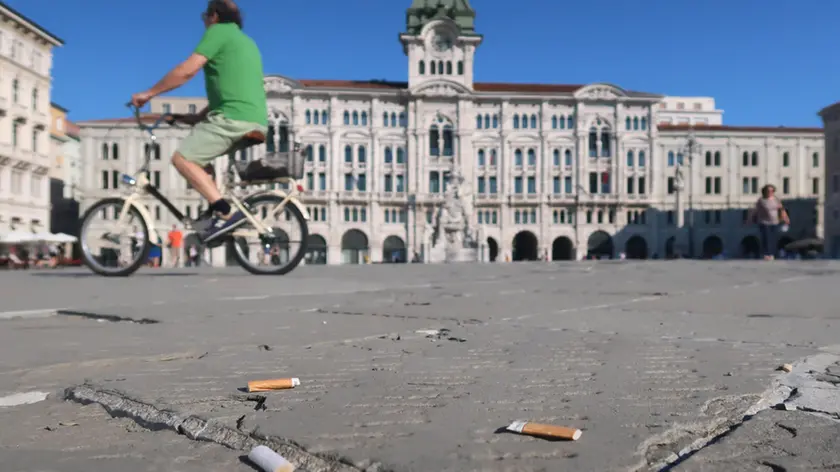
<point>164,117</point>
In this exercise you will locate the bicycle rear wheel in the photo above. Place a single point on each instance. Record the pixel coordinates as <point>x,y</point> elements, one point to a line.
<point>111,246</point>
<point>275,254</point>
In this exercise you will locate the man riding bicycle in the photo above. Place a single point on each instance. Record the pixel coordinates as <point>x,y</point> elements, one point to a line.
<point>233,76</point>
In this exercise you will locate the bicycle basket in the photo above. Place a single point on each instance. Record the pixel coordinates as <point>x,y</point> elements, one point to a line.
<point>274,165</point>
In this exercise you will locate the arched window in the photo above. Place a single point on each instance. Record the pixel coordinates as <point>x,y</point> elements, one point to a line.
<point>460,67</point>
<point>708,158</point>
<point>400,155</point>
<point>556,162</point>
<point>308,117</point>
<point>627,123</point>
<point>364,118</point>
<point>433,67</point>
<point>346,117</point>
<point>641,158</point>
<point>310,153</point>
<point>115,151</point>
<point>532,158</point>
<point>492,157</point>
<point>717,158</point>
<point>389,155</point>
<point>348,154</point>
<point>393,120</point>
<point>644,123</point>
<point>593,142</point>
<point>355,118</point>
<point>517,158</point>
<point>524,121</point>
<point>105,151</point>
<point>671,159</point>
<point>606,142</point>
<point>570,122</point>
<point>385,119</point>
<point>448,141</point>
<point>636,123</point>
<point>478,122</point>
<point>495,121</point>
<point>362,153</point>
<point>568,158</point>
<point>421,67</point>
<point>322,153</point>
<point>448,67</point>
<point>745,159</point>
<point>481,158</point>
<point>157,151</point>
<point>533,121</point>
<point>440,67</point>
<point>316,117</point>
<point>553,122</point>
<point>434,141</point>
<point>515,121</point>
<point>754,159</point>
<point>486,121</point>
<point>403,121</point>
<point>324,118</point>
<point>630,159</point>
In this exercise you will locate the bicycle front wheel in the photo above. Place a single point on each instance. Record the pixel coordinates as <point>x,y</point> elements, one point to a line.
<point>114,242</point>
<point>277,253</point>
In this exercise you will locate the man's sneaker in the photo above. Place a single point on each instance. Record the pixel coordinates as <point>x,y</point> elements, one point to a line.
<point>220,226</point>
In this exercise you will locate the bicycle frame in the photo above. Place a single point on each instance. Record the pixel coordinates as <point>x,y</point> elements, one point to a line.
<point>141,184</point>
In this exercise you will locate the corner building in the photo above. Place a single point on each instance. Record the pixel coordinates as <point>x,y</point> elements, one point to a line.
<point>556,171</point>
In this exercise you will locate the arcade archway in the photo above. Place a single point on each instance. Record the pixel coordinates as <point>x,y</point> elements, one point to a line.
<point>525,246</point>
<point>316,250</point>
<point>750,247</point>
<point>354,247</point>
<point>600,245</point>
<point>636,248</point>
<point>493,249</point>
<point>562,249</point>
<point>712,247</point>
<point>393,250</point>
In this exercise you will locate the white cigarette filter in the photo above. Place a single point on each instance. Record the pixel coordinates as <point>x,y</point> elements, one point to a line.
<point>545,430</point>
<point>269,461</point>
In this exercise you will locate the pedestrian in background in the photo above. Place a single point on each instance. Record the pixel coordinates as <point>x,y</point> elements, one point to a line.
<point>767,214</point>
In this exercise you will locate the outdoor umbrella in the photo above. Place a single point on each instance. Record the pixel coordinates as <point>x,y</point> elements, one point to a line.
<point>17,237</point>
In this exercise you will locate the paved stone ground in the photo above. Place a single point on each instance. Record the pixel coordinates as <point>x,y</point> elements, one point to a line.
<point>652,360</point>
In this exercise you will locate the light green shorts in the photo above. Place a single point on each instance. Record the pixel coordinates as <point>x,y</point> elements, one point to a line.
<point>215,136</point>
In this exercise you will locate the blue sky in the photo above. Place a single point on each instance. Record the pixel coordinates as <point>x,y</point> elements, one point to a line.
<point>767,62</point>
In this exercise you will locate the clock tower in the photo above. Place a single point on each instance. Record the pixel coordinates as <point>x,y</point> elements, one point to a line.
<point>440,42</point>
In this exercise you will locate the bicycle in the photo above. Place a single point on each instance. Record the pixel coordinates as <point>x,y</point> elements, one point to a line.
<point>123,252</point>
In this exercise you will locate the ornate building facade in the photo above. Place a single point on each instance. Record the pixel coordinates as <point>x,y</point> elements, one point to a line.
<point>25,118</point>
<point>556,171</point>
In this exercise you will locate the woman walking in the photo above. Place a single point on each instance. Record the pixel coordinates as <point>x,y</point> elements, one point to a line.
<point>767,213</point>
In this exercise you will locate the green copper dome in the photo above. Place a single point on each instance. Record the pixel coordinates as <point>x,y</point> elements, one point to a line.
<point>423,11</point>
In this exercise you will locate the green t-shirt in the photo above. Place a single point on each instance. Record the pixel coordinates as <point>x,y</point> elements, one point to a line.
<point>233,74</point>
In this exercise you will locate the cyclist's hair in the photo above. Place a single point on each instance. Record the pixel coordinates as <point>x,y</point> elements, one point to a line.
<point>226,10</point>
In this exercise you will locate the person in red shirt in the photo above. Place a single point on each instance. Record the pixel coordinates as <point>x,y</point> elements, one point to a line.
<point>176,242</point>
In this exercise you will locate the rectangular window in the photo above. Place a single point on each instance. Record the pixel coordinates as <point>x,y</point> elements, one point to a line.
<point>361,182</point>
<point>532,185</point>
<point>115,179</point>
<point>434,182</point>
<point>556,184</point>
<point>815,186</point>
<point>746,185</point>
<point>630,186</point>
<point>493,188</point>
<point>482,185</point>
<point>593,182</point>
<point>389,183</point>
<point>642,186</point>
<point>754,182</point>
<point>567,184</point>
<point>517,185</point>
<point>105,175</point>
<point>717,186</point>
<point>786,185</point>
<point>671,185</point>
<point>400,183</point>
<point>708,185</point>
<point>156,179</point>
<point>348,182</point>
<point>605,182</point>
<point>322,181</point>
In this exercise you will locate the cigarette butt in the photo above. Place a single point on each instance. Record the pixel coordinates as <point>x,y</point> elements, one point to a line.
<point>269,461</point>
<point>274,384</point>
<point>785,367</point>
<point>545,430</point>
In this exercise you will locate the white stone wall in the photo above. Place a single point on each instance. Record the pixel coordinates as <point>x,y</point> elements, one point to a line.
<point>25,65</point>
<point>831,121</point>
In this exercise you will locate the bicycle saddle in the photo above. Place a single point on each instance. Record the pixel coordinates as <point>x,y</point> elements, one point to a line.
<point>252,138</point>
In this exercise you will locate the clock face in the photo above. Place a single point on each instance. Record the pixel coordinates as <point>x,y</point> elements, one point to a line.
<point>442,43</point>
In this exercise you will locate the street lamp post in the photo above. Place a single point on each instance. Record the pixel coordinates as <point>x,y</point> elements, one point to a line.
<point>691,146</point>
